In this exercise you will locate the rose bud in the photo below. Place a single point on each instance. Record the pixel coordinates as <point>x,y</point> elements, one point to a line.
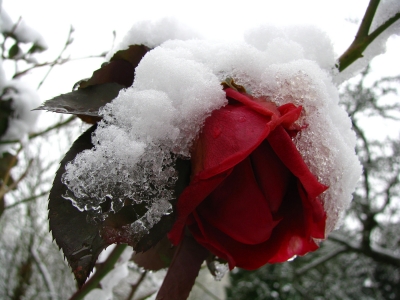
<point>252,199</point>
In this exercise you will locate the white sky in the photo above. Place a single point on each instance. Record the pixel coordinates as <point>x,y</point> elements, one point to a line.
<point>94,22</point>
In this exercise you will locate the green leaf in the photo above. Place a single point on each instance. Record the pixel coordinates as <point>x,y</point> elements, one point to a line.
<point>159,230</point>
<point>13,51</point>
<point>101,88</point>
<point>84,101</point>
<point>6,112</point>
<point>82,241</point>
<point>79,240</point>
<point>116,228</point>
<point>36,49</point>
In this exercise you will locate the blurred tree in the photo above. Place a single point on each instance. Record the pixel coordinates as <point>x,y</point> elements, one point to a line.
<point>31,266</point>
<point>362,259</point>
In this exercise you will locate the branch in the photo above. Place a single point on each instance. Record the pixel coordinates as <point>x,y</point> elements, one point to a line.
<point>45,274</point>
<point>321,260</point>
<point>363,39</point>
<point>27,200</point>
<point>67,43</point>
<point>4,189</point>
<point>388,192</point>
<point>366,22</point>
<point>377,253</point>
<point>40,133</point>
<point>135,286</point>
<point>59,61</point>
<point>101,271</point>
<point>365,163</point>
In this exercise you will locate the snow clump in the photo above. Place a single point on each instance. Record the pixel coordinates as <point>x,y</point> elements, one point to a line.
<point>177,86</point>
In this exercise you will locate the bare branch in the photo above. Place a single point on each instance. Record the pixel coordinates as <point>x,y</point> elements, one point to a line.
<point>40,133</point>
<point>101,271</point>
<point>363,38</point>
<point>5,189</point>
<point>377,253</point>
<point>135,286</point>
<point>45,274</point>
<point>67,43</point>
<point>320,260</point>
<point>29,199</point>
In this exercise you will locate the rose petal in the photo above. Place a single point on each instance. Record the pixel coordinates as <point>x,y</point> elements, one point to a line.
<point>262,106</point>
<point>228,137</point>
<point>289,238</point>
<point>215,208</point>
<point>285,149</point>
<point>271,174</point>
<point>238,208</point>
<point>190,199</point>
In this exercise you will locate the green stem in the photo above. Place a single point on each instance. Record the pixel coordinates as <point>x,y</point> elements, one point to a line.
<point>101,271</point>
<point>366,22</point>
<point>363,38</point>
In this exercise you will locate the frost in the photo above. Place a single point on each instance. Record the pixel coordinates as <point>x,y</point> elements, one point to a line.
<point>177,85</point>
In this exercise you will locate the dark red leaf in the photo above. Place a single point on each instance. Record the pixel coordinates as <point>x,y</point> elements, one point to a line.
<point>120,69</point>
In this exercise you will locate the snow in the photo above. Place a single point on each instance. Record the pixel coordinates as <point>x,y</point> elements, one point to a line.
<point>23,120</point>
<point>154,33</point>
<point>177,85</point>
<point>23,97</point>
<point>22,31</point>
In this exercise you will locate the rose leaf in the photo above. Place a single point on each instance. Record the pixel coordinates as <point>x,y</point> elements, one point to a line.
<point>120,69</point>
<point>79,240</point>
<point>84,101</point>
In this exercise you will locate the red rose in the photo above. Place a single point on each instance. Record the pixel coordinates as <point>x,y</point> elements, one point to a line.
<point>252,200</point>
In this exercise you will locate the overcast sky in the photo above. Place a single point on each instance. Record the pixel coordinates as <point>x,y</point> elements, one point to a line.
<point>94,22</point>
